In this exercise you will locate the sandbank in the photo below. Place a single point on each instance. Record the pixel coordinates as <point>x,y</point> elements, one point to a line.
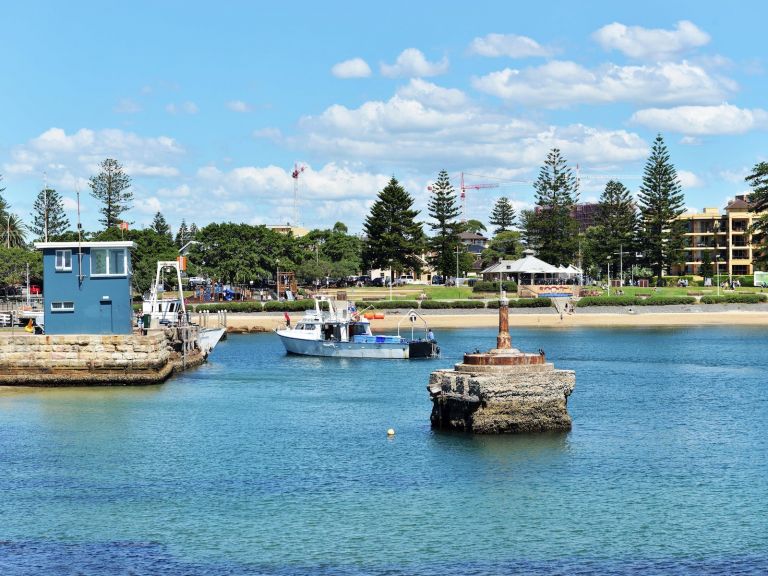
<point>592,317</point>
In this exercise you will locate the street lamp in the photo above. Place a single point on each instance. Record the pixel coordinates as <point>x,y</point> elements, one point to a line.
<point>609,275</point>
<point>457,265</point>
<point>717,271</point>
<point>390,280</point>
<point>277,278</point>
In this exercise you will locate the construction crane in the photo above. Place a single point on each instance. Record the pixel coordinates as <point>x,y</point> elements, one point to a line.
<point>464,188</point>
<point>295,176</point>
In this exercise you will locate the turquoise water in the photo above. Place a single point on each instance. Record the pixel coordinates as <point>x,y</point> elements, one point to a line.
<point>262,463</point>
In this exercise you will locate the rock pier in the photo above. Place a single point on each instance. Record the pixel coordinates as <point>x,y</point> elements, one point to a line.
<point>94,360</point>
<point>501,391</point>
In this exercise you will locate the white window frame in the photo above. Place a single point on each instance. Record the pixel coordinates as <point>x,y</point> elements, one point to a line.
<point>63,306</point>
<point>109,273</point>
<point>61,259</point>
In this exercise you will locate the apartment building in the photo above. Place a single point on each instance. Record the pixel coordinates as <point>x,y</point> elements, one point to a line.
<point>724,236</point>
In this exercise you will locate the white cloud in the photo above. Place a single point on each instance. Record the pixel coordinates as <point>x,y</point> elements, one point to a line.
<point>562,83</point>
<point>182,191</point>
<point>650,43</point>
<point>239,106</point>
<point>183,108</point>
<point>703,120</point>
<point>354,68</point>
<point>510,45</point>
<point>67,158</point>
<point>407,133</point>
<point>432,95</point>
<point>412,63</point>
<point>127,106</point>
<point>150,205</point>
<point>689,180</point>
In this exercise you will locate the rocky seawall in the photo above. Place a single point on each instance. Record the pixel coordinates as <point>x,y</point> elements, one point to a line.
<point>93,360</point>
<point>487,401</point>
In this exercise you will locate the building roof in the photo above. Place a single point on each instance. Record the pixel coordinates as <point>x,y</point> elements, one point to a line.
<point>75,244</point>
<point>471,236</point>
<point>526,265</point>
<point>738,204</point>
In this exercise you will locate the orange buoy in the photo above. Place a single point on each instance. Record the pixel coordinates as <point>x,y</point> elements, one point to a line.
<point>369,315</point>
<point>378,316</point>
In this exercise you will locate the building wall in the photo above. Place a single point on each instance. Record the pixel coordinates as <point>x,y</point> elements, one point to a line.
<point>724,235</point>
<point>102,305</point>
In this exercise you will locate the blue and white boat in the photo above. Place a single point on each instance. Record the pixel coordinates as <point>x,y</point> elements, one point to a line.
<point>335,328</point>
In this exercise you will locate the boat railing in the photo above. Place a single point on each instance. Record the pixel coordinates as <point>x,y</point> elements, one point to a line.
<point>413,315</point>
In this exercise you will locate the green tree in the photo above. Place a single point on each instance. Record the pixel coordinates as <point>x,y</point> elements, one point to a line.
<point>503,215</point>
<point>12,229</point>
<point>615,228</point>
<point>758,181</point>
<point>475,226</point>
<point>182,236</point>
<point>444,210</point>
<point>111,188</point>
<point>394,237</point>
<point>241,252</point>
<point>552,227</point>
<point>48,217</point>
<point>160,225</point>
<point>13,265</point>
<point>503,246</point>
<point>706,269</point>
<point>193,231</point>
<point>661,201</point>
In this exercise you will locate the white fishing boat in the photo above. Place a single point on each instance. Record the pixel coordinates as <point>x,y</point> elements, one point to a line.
<point>335,328</point>
<point>171,310</point>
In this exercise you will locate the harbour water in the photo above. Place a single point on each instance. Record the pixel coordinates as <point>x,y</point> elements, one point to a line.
<point>263,463</point>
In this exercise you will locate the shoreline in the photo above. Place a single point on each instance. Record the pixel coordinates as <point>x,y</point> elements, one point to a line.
<point>676,316</point>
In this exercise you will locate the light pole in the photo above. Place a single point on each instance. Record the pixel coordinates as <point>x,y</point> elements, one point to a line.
<point>609,275</point>
<point>717,272</point>
<point>390,280</point>
<point>277,278</point>
<point>457,265</point>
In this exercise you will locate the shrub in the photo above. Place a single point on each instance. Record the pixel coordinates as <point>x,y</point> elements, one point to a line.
<point>467,304</point>
<point>289,305</point>
<point>488,286</point>
<point>228,306</point>
<point>634,301</point>
<point>753,298</point>
<point>435,304</point>
<point>389,304</point>
<point>524,303</point>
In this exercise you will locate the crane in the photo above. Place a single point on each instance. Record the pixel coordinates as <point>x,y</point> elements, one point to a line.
<point>464,188</point>
<point>295,176</point>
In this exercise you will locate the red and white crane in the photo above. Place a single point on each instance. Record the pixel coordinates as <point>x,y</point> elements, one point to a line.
<point>464,188</point>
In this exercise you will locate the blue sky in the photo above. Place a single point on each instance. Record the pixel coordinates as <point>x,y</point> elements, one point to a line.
<point>208,106</point>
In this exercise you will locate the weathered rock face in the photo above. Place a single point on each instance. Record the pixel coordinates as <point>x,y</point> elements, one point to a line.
<point>499,400</point>
<point>501,391</point>
<point>70,360</point>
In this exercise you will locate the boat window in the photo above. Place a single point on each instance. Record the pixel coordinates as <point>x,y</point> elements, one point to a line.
<point>309,327</point>
<point>300,326</point>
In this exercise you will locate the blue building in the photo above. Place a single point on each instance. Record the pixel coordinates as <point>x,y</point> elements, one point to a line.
<point>87,287</point>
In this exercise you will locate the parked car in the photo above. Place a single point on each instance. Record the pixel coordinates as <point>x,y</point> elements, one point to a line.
<point>437,280</point>
<point>196,281</point>
<point>381,281</point>
<point>404,280</point>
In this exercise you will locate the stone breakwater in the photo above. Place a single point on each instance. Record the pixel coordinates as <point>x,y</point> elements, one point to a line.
<point>497,400</point>
<point>96,360</point>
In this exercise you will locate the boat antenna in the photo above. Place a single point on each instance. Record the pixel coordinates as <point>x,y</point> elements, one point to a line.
<point>80,275</point>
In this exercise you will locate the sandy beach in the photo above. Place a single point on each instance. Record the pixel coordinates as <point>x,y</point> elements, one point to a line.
<point>712,315</point>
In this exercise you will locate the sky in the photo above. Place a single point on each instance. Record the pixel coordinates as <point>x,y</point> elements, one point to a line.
<point>210,106</point>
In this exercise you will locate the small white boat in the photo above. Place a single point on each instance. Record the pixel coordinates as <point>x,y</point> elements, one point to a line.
<point>335,328</point>
<point>170,311</point>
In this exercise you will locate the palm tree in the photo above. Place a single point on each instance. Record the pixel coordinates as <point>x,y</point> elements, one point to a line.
<point>12,231</point>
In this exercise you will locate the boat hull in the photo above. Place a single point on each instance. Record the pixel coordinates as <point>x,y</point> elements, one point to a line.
<point>207,338</point>
<point>385,350</point>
